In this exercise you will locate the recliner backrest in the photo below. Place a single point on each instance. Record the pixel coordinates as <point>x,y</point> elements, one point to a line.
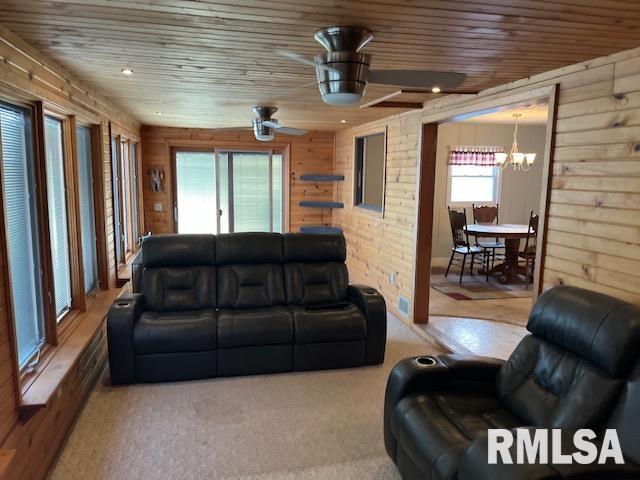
<point>314,271</point>
<point>571,370</point>
<point>249,270</point>
<point>179,272</point>
<point>625,417</point>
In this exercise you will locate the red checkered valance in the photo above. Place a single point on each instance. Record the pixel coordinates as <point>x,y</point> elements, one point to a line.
<point>471,155</point>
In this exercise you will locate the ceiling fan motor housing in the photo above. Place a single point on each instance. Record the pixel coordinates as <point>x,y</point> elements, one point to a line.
<point>346,80</point>
<point>261,132</point>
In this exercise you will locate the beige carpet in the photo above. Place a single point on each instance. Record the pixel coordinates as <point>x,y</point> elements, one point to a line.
<point>315,425</point>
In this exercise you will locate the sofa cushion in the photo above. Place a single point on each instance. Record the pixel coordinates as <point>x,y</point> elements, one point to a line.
<point>328,324</point>
<point>313,248</point>
<point>316,283</point>
<point>248,248</point>
<point>435,429</point>
<point>174,332</point>
<point>179,288</point>
<point>546,386</point>
<point>262,326</point>
<point>250,286</point>
<point>181,250</point>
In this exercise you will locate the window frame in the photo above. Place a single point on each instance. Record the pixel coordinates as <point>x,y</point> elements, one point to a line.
<point>56,333</point>
<point>359,171</point>
<point>497,187</point>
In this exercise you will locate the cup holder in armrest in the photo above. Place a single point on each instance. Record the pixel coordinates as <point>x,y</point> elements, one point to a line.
<point>424,361</point>
<point>122,304</point>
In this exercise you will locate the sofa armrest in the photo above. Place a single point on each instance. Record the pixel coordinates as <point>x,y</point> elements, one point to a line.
<point>474,464</point>
<point>122,316</point>
<point>432,373</point>
<point>372,305</point>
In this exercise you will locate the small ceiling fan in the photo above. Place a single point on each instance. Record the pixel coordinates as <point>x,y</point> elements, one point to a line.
<point>343,72</point>
<point>265,127</point>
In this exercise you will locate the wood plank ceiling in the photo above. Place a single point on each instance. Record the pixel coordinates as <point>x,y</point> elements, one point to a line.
<point>205,64</point>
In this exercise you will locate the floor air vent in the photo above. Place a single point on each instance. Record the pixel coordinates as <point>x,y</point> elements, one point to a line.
<point>403,305</point>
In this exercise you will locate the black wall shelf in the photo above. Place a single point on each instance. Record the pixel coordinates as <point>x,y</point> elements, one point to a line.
<point>318,204</point>
<point>312,177</point>
<point>320,229</point>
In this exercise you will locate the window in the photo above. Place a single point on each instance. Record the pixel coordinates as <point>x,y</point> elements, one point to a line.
<point>473,183</point>
<point>115,191</point>
<point>87,214</point>
<point>370,171</point>
<point>125,197</point>
<point>221,192</point>
<point>18,182</point>
<point>58,232</point>
<point>133,175</point>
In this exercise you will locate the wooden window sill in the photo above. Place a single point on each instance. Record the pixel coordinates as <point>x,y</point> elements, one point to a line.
<point>125,269</point>
<point>65,356</point>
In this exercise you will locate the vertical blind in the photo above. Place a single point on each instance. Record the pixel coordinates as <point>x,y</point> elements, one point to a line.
<point>21,230</point>
<point>133,167</point>
<point>57,216</point>
<point>87,214</point>
<point>196,192</point>
<point>115,191</point>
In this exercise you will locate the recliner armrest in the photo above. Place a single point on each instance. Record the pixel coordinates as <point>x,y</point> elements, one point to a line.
<point>374,308</point>
<point>122,316</point>
<point>474,464</point>
<point>430,373</point>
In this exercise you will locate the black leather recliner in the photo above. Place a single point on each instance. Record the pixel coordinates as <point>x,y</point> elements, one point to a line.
<point>579,368</point>
<point>243,303</point>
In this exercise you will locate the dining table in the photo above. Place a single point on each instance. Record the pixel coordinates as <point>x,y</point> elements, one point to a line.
<point>512,234</point>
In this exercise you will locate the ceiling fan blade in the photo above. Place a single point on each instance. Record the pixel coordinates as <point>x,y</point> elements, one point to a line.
<point>298,57</point>
<point>417,78</point>
<point>291,131</point>
<point>270,124</point>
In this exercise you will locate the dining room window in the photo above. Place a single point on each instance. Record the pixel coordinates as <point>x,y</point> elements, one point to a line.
<point>473,175</point>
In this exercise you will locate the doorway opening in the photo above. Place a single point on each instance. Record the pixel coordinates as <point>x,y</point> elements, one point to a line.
<point>484,187</point>
<point>226,191</point>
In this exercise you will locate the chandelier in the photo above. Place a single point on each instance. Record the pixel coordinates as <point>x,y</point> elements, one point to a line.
<point>518,160</point>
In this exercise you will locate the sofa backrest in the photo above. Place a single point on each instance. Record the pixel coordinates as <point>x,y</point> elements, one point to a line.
<point>179,272</point>
<point>572,368</point>
<point>250,273</point>
<point>314,271</point>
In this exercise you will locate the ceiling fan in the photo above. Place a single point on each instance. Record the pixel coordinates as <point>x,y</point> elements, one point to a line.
<point>343,71</point>
<point>265,127</point>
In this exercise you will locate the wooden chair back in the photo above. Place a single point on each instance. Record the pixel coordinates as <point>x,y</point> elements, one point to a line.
<point>485,214</point>
<point>458,220</point>
<point>532,234</point>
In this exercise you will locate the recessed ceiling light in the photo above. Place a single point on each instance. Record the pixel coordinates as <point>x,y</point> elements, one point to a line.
<point>436,90</point>
<point>158,113</point>
<point>127,71</point>
<point>343,121</point>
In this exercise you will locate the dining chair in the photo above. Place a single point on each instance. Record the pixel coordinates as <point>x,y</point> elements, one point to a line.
<point>461,244</point>
<point>485,214</point>
<point>529,252</point>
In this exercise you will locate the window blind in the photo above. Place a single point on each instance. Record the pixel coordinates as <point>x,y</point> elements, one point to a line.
<point>196,192</point>
<point>115,191</point>
<point>251,192</point>
<point>21,231</point>
<point>58,232</point>
<point>87,214</point>
<point>134,191</point>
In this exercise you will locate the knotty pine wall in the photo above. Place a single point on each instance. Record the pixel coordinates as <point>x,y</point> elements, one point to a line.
<point>311,153</point>
<point>594,212</point>
<point>28,75</point>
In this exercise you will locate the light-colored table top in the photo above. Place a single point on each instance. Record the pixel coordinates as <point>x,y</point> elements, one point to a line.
<point>502,230</point>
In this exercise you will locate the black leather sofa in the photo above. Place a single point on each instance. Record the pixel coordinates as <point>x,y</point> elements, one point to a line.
<point>579,368</point>
<point>240,304</point>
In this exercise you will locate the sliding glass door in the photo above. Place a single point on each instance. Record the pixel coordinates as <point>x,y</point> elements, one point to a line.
<point>227,191</point>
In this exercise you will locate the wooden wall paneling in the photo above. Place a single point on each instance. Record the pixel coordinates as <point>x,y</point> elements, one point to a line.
<point>29,77</point>
<point>594,162</point>
<point>311,153</point>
